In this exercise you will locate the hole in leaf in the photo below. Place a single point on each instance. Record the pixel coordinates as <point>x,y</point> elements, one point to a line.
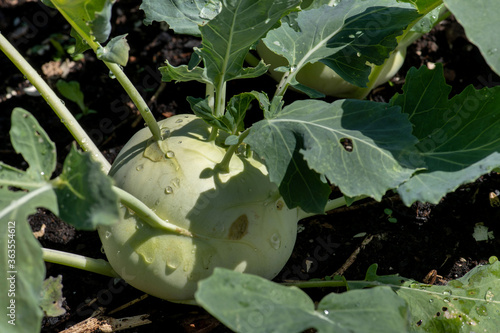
<point>347,144</point>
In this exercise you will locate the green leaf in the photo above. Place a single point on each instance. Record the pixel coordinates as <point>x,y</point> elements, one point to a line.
<point>22,274</point>
<point>202,109</point>
<point>346,37</point>
<point>468,304</point>
<point>30,140</point>
<point>459,138</point>
<point>84,193</point>
<point>52,297</point>
<point>232,121</point>
<point>247,303</point>
<point>424,6</point>
<point>184,17</point>
<point>228,37</point>
<point>116,51</point>
<point>92,18</point>
<point>183,73</point>
<point>71,90</point>
<point>377,159</point>
<point>237,109</point>
<point>480,21</point>
<point>23,264</point>
<point>372,279</point>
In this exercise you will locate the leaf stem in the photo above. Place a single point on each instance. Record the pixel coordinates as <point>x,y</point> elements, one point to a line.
<point>99,266</point>
<point>54,102</point>
<point>134,95</point>
<point>315,284</point>
<point>220,99</point>
<point>223,166</point>
<point>147,214</point>
<point>331,205</point>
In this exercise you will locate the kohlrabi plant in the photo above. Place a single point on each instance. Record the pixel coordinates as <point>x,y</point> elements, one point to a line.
<point>193,201</point>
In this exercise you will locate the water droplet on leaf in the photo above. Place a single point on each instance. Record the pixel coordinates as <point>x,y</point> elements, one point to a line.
<point>170,154</point>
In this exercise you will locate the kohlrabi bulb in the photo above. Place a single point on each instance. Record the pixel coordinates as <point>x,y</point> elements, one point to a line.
<point>324,79</point>
<point>238,219</point>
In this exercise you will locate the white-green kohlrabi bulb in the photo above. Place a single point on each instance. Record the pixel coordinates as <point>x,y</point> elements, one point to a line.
<point>324,79</point>
<point>238,219</point>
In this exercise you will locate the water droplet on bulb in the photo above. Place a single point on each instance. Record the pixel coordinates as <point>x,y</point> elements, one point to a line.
<point>165,132</point>
<point>275,241</point>
<point>170,154</point>
<point>176,182</point>
<point>168,190</point>
<point>140,167</point>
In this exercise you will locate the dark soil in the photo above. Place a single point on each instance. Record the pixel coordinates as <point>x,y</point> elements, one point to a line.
<point>423,238</point>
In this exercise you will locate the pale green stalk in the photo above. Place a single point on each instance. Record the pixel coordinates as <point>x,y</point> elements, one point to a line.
<point>54,102</point>
<point>330,205</point>
<point>223,165</point>
<point>98,266</point>
<point>315,284</point>
<point>124,81</point>
<point>147,214</point>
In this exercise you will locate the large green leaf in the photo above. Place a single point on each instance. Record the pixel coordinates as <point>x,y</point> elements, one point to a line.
<point>459,139</point>
<point>184,17</point>
<point>227,38</point>
<point>247,303</point>
<point>481,24</point>
<point>21,261</point>
<point>380,143</point>
<point>346,37</point>
<point>82,195</point>
<point>22,273</point>
<point>468,304</point>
